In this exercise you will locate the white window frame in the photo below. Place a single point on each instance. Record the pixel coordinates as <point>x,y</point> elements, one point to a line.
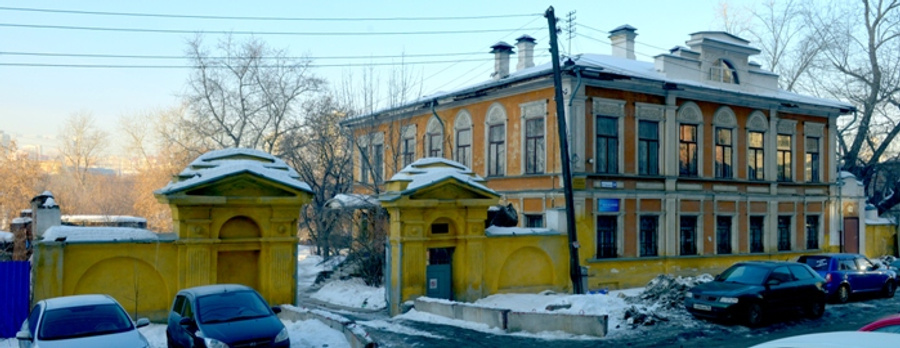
<point>530,111</point>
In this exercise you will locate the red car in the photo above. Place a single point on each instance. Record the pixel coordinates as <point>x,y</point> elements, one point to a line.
<point>890,324</point>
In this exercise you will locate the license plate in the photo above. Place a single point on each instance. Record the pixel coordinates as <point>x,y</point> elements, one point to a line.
<point>702,307</point>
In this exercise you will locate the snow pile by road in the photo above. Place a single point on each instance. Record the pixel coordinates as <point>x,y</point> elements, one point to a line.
<point>661,300</point>
<point>351,293</point>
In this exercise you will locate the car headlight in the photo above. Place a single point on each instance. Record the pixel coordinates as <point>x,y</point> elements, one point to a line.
<point>214,343</point>
<point>728,299</point>
<point>689,294</point>
<point>282,335</point>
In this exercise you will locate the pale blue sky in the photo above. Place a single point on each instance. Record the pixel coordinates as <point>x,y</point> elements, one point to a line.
<point>35,100</point>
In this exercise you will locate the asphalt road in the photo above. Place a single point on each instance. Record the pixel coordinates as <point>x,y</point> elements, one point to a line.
<point>681,330</point>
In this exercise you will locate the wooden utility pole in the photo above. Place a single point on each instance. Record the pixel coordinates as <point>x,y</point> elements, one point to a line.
<point>574,265</point>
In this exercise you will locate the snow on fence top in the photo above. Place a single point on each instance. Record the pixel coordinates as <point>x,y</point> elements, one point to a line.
<point>98,234</point>
<point>215,165</point>
<point>519,231</point>
<point>6,236</point>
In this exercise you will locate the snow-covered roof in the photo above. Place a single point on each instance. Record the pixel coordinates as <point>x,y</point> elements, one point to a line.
<point>216,165</point>
<point>352,201</point>
<point>102,218</point>
<point>430,170</point>
<point>21,220</point>
<point>98,234</point>
<point>519,231</point>
<point>6,236</point>
<point>625,67</point>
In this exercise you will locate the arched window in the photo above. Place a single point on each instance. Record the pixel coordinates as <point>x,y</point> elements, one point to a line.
<point>495,125</point>
<point>463,133</point>
<point>723,71</point>
<point>434,138</point>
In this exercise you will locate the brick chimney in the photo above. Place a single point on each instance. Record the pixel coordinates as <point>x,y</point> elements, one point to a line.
<point>525,44</point>
<point>501,51</point>
<point>622,39</point>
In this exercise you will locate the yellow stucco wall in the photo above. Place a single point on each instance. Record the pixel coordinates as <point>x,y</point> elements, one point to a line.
<point>881,240</point>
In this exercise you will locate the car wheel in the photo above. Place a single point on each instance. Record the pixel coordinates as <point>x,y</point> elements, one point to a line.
<point>754,315</point>
<point>889,289</point>
<point>843,294</point>
<point>816,309</point>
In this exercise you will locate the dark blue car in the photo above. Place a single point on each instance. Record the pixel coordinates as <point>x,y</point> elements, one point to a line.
<point>225,315</point>
<point>850,274</point>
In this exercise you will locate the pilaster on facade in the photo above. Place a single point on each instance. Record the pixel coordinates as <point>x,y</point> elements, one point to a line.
<point>670,141</point>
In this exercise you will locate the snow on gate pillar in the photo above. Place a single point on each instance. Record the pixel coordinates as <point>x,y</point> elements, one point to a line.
<point>235,212</point>
<point>437,208</point>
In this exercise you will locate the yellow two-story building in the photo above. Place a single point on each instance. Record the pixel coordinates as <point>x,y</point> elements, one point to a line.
<point>681,165</point>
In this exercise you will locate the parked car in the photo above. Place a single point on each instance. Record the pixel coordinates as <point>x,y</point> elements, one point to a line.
<point>222,316</point>
<point>81,321</point>
<point>836,339</point>
<point>751,291</point>
<point>889,324</point>
<point>850,274</point>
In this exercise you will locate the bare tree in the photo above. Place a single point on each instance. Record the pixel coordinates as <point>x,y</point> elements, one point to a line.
<point>81,144</point>
<point>320,152</point>
<point>247,94</point>
<point>20,179</point>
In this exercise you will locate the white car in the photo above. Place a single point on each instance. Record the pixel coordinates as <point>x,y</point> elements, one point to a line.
<point>81,321</point>
<point>837,339</point>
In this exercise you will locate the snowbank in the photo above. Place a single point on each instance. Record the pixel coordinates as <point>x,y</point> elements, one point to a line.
<point>351,293</point>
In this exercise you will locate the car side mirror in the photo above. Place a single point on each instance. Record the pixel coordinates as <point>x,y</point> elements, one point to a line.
<point>773,281</point>
<point>276,309</point>
<point>187,322</point>
<point>141,322</point>
<point>24,336</point>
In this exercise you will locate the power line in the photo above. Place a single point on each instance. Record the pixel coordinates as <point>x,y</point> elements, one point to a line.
<point>297,33</point>
<point>130,66</point>
<point>252,18</point>
<point>129,56</point>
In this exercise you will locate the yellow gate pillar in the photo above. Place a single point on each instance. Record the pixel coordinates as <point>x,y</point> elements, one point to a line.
<point>435,204</point>
<point>235,212</point>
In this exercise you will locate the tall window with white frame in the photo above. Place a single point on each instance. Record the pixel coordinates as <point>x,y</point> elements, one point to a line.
<point>648,147</point>
<point>724,161</point>
<point>606,236</point>
<point>723,235</point>
<point>687,150</point>
<point>408,148</point>
<point>378,162</point>
<point>464,146</point>
<point>755,156</point>
<point>812,159</point>
<point>534,146</point>
<point>756,234</point>
<point>812,232</point>
<point>649,235</point>
<point>607,145</point>
<point>496,150</point>
<point>784,233</point>
<point>688,238</point>
<point>784,157</point>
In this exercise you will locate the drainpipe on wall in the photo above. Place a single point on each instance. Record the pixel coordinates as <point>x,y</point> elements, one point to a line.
<point>443,127</point>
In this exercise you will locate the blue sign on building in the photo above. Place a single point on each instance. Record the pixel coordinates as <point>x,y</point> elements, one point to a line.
<point>607,205</point>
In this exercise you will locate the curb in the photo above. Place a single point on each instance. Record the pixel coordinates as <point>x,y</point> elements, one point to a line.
<point>355,334</point>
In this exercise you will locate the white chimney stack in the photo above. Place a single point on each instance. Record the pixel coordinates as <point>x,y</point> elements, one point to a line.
<point>622,39</point>
<point>525,44</point>
<point>501,51</point>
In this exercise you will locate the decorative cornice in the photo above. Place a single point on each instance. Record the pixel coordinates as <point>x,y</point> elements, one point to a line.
<point>647,111</point>
<point>724,117</point>
<point>758,122</point>
<point>609,107</point>
<point>787,126</point>
<point>690,113</point>
<point>813,129</point>
<point>534,109</point>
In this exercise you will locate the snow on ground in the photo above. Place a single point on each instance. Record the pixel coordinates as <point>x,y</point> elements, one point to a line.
<point>309,265</point>
<point>351,293</point>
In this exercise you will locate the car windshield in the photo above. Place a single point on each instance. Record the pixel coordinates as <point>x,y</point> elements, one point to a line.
<point>818,263</point>
<point>231,306</point>
<point>744,274</point>
<point>83,321</point>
